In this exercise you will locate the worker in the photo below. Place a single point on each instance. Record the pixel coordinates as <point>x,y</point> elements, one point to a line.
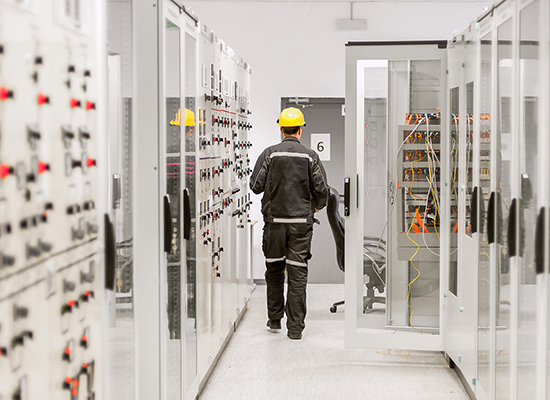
<point>189,122</point>
<point>295,186</point>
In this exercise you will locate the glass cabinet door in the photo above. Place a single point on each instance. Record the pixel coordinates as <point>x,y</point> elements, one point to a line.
<point>484,272</point>
<point>501,203</point>
<point>529,200</point>
<point>188,147</point>
<point>395,218</point>
<point>173,129</point>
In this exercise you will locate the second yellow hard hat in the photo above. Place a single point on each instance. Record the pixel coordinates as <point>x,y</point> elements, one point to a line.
<point>291,117</point>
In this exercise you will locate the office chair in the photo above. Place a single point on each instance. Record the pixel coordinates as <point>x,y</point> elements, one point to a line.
<point>374,255</point>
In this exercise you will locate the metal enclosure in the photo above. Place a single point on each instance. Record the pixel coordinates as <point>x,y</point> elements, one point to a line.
<point>192,280</point>
<point>55,277</point>
<point>395,100</point>
<point>494,193</point>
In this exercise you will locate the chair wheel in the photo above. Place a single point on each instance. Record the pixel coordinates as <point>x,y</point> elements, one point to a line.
<point>333,309</point>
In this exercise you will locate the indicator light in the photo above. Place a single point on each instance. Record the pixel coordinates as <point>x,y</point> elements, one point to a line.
<point>68,380</point>
<point>74,392</point>
<point>5,93</point>
<point>5,170</point>
<point>90,162</point>
<point>68,350</point>
<point>85,365</point>
<point>42,99</point>
<point>90,106</point>
<point>71,303</point>
<point>43,167</point>
<point>75,103</point>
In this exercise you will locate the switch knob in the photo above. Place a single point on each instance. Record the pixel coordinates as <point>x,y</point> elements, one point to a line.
<point>68,286</point>
<point>42,99</point>
<point>93,228</point>
<point>90,105</point>
<point>84,341</point>
<point>33,251</point>
<point>78,234</point>
<point>90,162</point>
<point>46,247</point>
<point>20,312</point>
<point>87,277</point>
<point>74,103</point>
<point>5,93</point>
<point>5,170</point>
<point>7,261</point>
<point>86,296</point>
<point>68,352</point>
<point>43,167</point>
<point>3,351</point>
<point>69,306</point>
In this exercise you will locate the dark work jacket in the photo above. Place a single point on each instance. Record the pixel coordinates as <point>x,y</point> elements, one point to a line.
<point>293,180</point>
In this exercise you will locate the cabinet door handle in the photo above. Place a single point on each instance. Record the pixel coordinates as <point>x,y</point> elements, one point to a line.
<point>110,253</point>
<point>512,229</point>
<point>491,219</point>
<point>167,224</point>
<point>474,209</point>
<point>186,215</point>
<point>346,196</point>
<point>540,240</point>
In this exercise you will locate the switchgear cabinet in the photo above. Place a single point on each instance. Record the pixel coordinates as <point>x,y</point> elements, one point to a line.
<point>52,198</point>
<point>480,216</point>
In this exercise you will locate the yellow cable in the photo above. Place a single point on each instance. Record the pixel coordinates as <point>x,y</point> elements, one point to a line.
<point>431,186</point>
<point>417,276</point>
<point>380,352</point>
<point>407,356</point>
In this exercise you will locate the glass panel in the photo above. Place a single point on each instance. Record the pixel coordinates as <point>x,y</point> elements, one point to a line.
<point>503,200</point>
<point>469,179</point>
<point>174,116</point>
<point>402,100</point>
<point>454,159</point>
<point>122,349</point>
<point>191,245</point>
<point>484,275</point>
<point>122,338</point>
<point>529,204</point>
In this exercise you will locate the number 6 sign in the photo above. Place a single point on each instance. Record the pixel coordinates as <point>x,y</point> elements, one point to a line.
<point>320,142</point>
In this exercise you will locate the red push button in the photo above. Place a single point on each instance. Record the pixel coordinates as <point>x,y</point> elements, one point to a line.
<point>90,106</point>
<point>5,93</point>
<point>42,99</point>
<point>75,103</point>
<point>68,350</point>
<point>5,170</point>
<point>43,167</point>
<point>90,162</point>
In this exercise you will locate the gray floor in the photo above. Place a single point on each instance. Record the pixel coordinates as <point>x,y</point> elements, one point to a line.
<point>260,364</point>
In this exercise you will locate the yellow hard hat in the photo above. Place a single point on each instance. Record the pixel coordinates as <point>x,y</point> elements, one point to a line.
<point>291,117</point>
<point>189,118</point>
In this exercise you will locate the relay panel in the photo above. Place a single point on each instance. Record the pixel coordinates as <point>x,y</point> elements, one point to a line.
<point>49,225</point>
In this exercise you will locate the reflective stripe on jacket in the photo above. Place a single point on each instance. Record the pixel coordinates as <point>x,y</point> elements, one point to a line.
<point>293,180</point>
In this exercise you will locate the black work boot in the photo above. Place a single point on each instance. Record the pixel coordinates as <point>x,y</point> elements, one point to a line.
<point>294,336</point>
<point>274,323</point>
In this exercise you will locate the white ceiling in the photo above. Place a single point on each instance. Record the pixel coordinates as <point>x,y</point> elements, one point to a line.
<point>342,1</point>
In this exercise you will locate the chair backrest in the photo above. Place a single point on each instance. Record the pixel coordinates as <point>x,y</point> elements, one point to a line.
<point>336,225</point>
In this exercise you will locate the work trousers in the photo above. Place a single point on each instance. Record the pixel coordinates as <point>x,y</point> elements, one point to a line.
<point>287,246</point>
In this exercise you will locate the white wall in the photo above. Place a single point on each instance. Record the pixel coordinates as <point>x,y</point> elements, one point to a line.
<point>295,49</point>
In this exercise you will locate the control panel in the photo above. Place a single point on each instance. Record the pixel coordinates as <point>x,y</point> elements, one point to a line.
<point>49,217</point>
